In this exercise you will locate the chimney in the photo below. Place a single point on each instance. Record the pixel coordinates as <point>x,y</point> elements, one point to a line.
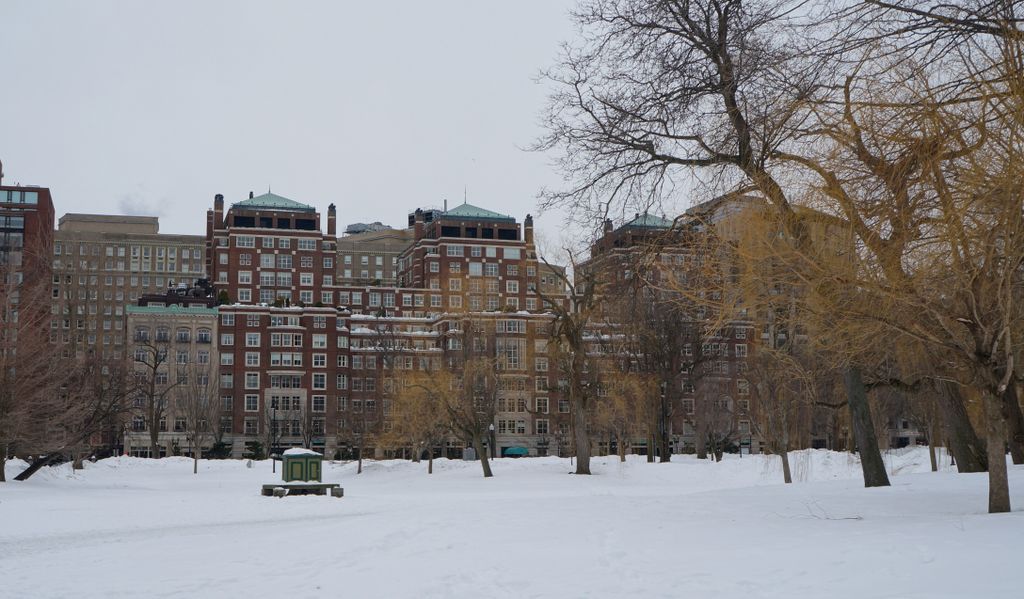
<point>607,225</point>
<point>250,195</point>
<point>332,220</point>
<point>218,211</point>
<point>1,172</point>
<point>528,230</point>
<point>418,225</point>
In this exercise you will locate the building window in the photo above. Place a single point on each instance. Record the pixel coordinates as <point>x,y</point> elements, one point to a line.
<point>563,406</point>
<point>319,403</point>
<point>542,405</point>
<point>252,380</point>
<point>541,424</point>
<point>319,380</point>
<point>252,358</point>
<point>227,339</point>
<point>252,339</point>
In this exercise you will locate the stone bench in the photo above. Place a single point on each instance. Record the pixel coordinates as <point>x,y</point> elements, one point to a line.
<point>302,488</point>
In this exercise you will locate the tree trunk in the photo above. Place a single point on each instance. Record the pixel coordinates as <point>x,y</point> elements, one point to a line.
<point>863,430</point>
<point>154,438</point>
<point>579,431</point>
<point>998,486</point>
<point>417,456</point>
<point>76,463</point>
<point>1014,424</point>
<point>701,440</point>
<point>652,448</point>
<point>622,449</point>
<point>787,476</point>
<point>359,464</point>
<point>3,466</point>
<point>195,461</point>
<point>931,445</point>
<point>664,439</point>
<point>478,446</point>
<point>967,449</point>
<point>430,462</point>
<point>36,465</point>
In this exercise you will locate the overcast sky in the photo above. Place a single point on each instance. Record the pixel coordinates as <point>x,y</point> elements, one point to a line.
<point>379,107</point>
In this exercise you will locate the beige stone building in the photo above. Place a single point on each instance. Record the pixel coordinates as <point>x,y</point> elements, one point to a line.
<point>103,263</point>
<point>174,358</point>
<point>371,257</point>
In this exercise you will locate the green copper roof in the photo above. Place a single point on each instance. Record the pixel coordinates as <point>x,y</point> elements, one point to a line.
<point>471,211</point>
<point>649,221</point>
<point>272,201</point>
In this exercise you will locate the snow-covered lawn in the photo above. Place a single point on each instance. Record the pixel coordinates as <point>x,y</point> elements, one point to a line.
<point>129,527</point>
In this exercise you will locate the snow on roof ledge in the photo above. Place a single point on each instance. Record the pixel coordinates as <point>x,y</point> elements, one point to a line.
<point>300,451</point>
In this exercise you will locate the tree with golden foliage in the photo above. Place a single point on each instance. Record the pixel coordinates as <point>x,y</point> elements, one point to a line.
<point>419,416</point>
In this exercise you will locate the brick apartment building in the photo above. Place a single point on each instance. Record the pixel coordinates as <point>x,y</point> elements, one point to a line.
<point>26,236</point>
<point>472,259</point>
<point>269,249</point>
<point>709,388</point>
<point>26,230</point>
<point>305,355</point>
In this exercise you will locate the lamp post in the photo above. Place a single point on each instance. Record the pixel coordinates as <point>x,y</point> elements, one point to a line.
<point>273,437</point>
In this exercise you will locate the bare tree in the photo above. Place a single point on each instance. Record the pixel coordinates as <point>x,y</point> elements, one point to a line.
<point>35,382</point>
<point>198,401</point>
<point>152,383</point>
<point>786,390</point>
<point>570,352</point>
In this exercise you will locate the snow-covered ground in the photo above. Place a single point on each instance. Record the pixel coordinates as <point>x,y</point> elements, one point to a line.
<point>127,527</point>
